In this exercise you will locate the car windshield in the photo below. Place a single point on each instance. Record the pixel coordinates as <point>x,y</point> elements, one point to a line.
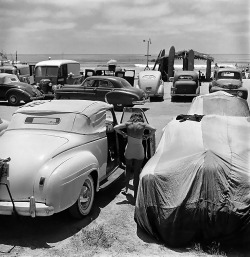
<point>228,75</point>
<point>47,71</point>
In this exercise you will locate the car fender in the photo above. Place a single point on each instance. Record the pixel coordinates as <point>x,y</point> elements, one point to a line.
<point>120,97</point>
<point>19,92</point>
<point>62,186</point>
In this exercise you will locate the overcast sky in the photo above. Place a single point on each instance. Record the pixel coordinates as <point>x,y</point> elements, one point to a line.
<point>120,26</point>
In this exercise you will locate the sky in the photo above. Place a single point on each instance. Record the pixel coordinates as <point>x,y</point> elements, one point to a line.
<point>120,26</point>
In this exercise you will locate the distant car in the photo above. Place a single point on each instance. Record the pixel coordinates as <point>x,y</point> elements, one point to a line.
<point>114,90</point>
<point>228,80</point>
<point>14,91</point>
<point>111,70</point>
<point>150,81</point>
<point>59,153</point>
<point>196,186</point>
<point>185,83</point>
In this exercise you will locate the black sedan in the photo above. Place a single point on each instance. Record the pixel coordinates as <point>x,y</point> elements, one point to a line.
<point>185,83</point>
<point>114,90</point>
<point>14,91</point>
<point>228,80</point>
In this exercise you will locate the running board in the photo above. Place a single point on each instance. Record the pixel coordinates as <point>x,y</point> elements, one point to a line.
<point>114,176</point>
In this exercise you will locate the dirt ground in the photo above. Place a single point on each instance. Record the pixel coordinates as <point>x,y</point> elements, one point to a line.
<point>110,230</point>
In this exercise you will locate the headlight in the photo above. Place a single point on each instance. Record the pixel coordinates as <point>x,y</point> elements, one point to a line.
<point>55,87</point>
<point>240,93</point>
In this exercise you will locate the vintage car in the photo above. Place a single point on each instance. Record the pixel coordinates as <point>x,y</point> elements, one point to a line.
<point>53,72</point>
<point>229,80</point>
<point>196,186</point>
<point>24,71</point>
<point>114,90</point>
<point>14,91</point>
<point>185,83</point>
<point>55,154</point>
<point>151,82</point>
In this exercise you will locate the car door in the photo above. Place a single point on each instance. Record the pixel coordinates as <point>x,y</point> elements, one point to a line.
<point>104,86</point>
<point>88,89</point>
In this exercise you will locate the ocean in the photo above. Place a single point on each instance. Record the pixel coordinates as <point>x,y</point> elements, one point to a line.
<point>132,61</point>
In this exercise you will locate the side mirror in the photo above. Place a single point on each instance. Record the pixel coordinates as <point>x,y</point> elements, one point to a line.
<point>171,79</point>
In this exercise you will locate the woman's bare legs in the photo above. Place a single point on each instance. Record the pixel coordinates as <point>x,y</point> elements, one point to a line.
<point>137,164</point>
<point>128,172</point>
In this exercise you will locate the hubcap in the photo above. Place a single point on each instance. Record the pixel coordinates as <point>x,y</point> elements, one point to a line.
<point>13,99</point>
<point>86,195</point>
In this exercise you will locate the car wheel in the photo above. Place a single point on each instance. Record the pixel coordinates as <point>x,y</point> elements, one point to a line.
<point>14,99</point>
<point>84,203</point>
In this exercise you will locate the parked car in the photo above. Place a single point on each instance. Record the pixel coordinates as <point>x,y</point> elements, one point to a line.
<point>59,153</point>
<point>196,186</point>
<point>53,72</point>
<point>114,90</point>
<point>150,81</point>
<point>24,71</point>
<point>185,83</point>
<point>229,80</point>
<point>14,91</point>
<point>107,70</point>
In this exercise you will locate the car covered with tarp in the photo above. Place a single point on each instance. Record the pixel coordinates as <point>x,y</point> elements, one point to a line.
<point>196,186</point>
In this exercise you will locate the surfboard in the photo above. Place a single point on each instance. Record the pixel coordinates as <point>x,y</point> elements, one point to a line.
<point>158,60</point>
<point>171,62</point>
<point>191,60</point>
<point>208,70</point>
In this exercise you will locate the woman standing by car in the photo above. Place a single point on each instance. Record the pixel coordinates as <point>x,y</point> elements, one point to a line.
<point>134,151</point>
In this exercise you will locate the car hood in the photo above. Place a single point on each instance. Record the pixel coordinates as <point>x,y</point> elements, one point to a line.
<point>29,153</point>
<point>227,83</point>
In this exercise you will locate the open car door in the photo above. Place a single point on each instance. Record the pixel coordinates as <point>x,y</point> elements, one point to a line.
<point>148,141</point>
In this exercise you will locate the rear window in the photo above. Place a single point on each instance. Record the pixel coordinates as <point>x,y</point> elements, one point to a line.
<point>125,83</point>
<point>185,77</point>
<point>42,120</point>
<point>228,75</point>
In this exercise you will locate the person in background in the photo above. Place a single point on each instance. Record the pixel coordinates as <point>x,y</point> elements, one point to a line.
<point>134,151</point>
<point>70,79</point>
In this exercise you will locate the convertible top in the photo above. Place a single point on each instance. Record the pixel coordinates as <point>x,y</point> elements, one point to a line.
<point>84,107</point>
<point>76,116</point>
<point>197,184</point>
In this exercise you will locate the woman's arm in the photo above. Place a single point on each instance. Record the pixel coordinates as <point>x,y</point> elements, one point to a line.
<point>118,129</point>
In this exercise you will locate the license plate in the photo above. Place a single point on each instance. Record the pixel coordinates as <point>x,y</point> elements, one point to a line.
<point>148,89</point>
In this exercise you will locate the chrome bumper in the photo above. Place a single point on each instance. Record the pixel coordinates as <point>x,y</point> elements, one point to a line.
<point>25,209</point>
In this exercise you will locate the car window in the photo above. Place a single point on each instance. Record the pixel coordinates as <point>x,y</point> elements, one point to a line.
<point>125,83</point>
<point>228,75</point>
<point>105,83</point>
<point>89,83</point>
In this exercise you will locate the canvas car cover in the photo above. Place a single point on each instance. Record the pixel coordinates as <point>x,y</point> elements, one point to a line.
<point>197,185</point>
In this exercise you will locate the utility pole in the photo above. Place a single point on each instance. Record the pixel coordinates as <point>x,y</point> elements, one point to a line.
<point>148,42</point>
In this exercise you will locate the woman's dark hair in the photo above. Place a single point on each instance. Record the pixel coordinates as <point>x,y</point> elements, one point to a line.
<point>136,117</point>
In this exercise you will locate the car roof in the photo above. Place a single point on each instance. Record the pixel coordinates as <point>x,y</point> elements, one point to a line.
<point>228,69</point>
<point>186,72</point>
<point>84,107</point>
<point>112,78</point>
<point>55,62</point>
